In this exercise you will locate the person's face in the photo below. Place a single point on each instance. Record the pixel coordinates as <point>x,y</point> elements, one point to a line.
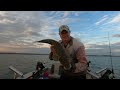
<point>64,35</point>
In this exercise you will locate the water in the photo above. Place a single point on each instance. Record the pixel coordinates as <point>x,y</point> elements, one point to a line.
<point>99,62</point>
<point>27,63</point>
<point>24,63</point>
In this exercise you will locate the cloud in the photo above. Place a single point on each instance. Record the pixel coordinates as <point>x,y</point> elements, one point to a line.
<point>115,19</point>
<point>26,50</point>
<point>53,33</point>
<point>116,35</point>
<point>101,21</point>
<point>63,14</point>
<point>56,18</point>
<point>105,17</point>
<point>103,49</point>
<point>30,32</point>
<point>19,29</point>
<point>4,39</point>
<point>116,44</point>
<point>68,13</point>
<point>23,21</point>
<point>94,49</point>
<point>6,21</point>
<point>2,13</point>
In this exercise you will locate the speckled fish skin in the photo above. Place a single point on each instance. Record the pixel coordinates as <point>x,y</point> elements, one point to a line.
<point>59,50</point>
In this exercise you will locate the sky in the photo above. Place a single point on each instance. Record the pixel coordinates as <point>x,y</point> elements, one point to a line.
<point>19,30</point>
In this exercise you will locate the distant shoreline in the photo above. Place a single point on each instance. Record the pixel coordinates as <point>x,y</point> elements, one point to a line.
<point>48,54</point>
<point>25,53</point>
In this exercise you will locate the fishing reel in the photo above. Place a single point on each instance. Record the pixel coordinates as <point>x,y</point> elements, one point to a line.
<point>40,66</point>
<point>108,74</point>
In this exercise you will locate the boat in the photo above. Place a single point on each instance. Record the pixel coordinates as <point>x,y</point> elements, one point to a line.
<point>53,72</point>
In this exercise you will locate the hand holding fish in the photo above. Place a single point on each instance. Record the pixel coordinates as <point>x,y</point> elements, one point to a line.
<point>58,50</point>
<point>53,49</point>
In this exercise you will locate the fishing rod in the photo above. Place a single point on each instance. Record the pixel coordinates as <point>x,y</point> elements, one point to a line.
<point>110,54</point>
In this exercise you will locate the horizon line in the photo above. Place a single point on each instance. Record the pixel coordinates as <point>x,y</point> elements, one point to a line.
<point>48,54</point>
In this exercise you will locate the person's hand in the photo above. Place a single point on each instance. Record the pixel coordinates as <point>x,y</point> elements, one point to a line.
<point>67,68</point>
<point>53,49</point>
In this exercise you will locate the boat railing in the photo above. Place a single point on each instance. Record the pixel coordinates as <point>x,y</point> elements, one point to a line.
<point>103,73</point>
<point>16,72</point>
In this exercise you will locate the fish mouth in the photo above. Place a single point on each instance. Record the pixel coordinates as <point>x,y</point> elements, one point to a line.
<point>46,41</point>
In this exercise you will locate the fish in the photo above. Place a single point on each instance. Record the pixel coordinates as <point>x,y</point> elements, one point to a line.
<point>62,57</point>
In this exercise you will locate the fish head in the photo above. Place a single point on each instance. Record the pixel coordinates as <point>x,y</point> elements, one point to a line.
<point>49,41</point>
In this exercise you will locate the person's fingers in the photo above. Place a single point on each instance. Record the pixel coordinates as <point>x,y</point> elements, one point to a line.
<point>53,49</point>
<point>52,46</point>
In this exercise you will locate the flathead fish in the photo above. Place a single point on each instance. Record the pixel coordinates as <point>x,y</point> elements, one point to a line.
<point>59,51</point>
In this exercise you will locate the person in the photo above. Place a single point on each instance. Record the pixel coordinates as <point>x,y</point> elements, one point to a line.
<point>75,51</point>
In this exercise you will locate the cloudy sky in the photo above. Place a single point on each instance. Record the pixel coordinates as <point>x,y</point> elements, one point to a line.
<point>19,30</point>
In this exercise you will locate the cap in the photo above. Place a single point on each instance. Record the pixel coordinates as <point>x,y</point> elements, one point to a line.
<point>64,27</point>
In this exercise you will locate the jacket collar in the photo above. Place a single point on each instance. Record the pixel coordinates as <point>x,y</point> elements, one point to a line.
<point>70,42</point>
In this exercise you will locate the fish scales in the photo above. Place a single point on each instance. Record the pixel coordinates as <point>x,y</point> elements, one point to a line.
<point>59,50</point>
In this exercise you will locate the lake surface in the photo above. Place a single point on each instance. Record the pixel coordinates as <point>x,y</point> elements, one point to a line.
<point>27,63</point>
